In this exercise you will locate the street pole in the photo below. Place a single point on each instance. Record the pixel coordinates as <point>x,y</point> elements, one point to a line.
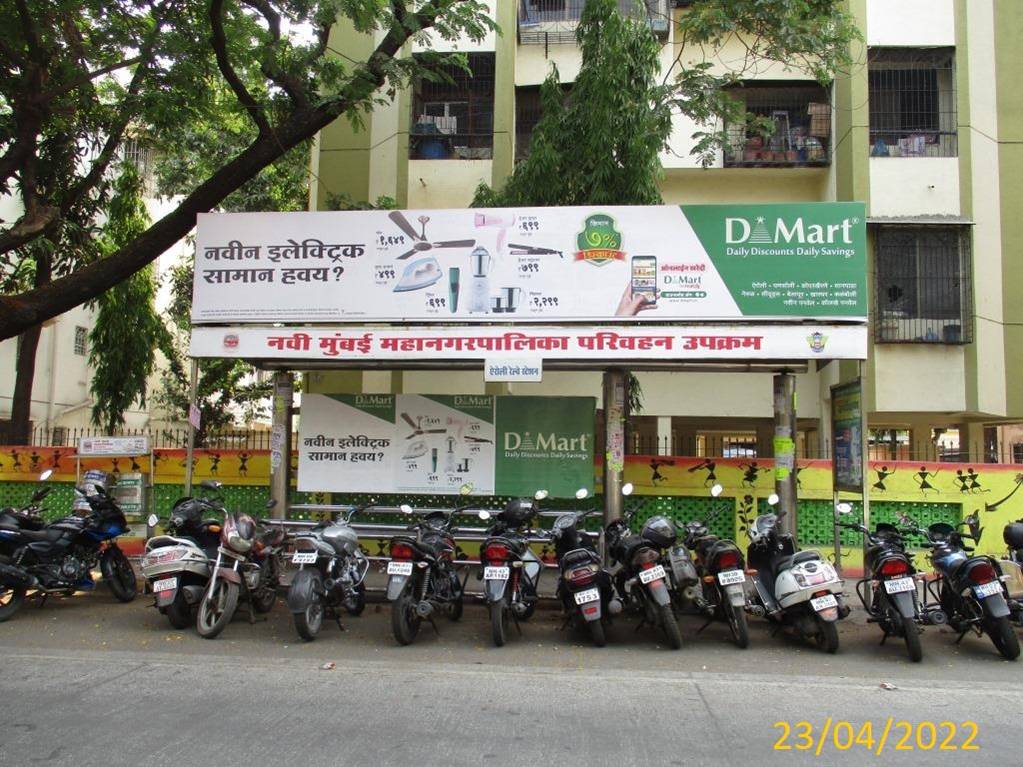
<point>785,450</point>
<point>193,389</point>
<point>614,434</point>
<point>280,443</point>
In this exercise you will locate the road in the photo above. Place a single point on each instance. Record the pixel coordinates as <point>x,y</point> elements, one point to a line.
<point>89,681</point>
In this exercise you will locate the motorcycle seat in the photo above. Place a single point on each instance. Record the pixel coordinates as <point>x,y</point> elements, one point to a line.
<point>577,557</point>
<point>794,559</point>
<point>47,534</point>
<point>424,547</point>
<point>628,547</point>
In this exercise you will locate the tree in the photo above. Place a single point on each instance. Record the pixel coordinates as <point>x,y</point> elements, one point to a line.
<point>76,76</point>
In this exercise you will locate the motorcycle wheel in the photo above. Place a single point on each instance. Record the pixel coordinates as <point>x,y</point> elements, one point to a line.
<point>263,600</point>
<point>357,603</point>
<point>670,626</point>
<point>178,612</point>
<point>498,623</point>
<point>1003,636</point>
<point>309,621</point>
<point>827,636</point>
<point>404,623</point>
<point>10,602</point>
<point>118,574</point>
<point>736,618</point>
<point>455,609</point>
<point>597,633</point>
<point>216,608</point>
<point>912,636</point>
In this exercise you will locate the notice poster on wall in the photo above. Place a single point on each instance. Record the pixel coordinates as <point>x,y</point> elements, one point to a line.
<point>440,444</point>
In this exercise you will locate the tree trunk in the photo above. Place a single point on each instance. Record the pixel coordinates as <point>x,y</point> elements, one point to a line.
<point>21,406</point>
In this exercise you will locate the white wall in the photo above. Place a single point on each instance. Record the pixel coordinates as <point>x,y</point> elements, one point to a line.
<point>912,22</point>
<point>906,186</point>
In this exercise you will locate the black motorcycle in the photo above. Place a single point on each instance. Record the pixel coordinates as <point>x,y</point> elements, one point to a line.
<point>721,570</point>
<point>421,576</point>
<point>889,589</point>
<point>968,589</point>
<point>509,568</point>
<point>330,578</point>
<point>642,582</point>
<point>60,558</point>
<point>584,586</point>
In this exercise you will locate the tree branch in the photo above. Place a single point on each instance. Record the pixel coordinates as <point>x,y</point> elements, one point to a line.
<point>270,67</point>
<point>219,40</point>
<point>89,76</point>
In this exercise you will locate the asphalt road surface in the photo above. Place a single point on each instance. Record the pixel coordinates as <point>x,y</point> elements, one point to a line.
<point>88,681</point>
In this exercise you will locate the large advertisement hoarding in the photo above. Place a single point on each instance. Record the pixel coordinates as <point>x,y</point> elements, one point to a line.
<point>607,264</point>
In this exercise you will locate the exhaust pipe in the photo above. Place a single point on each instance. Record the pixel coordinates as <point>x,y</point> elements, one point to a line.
<point>15,577</point>
<point>614,606</point>
<point>934,617</point>
<point>424,609</point>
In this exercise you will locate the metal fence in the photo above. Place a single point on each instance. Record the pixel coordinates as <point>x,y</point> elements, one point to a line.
<point>799,116</point>
<point>230,439</point>
<point>550,22</point>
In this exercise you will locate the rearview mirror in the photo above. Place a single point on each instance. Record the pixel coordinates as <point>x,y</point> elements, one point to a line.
<point>716,490</point>
<point>844,507</point>
<point>271,503</point>
<point>483,514</point>
<point>45,475</point>
<point>540,494</point>
<point>152,520</point>
<point>211,484</point>
<point>405,508</point>
<point>581,493</point>
<point>772,499</point>
<point>627,488</point>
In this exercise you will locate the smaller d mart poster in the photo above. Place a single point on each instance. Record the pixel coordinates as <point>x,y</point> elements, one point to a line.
<point>384,443</point>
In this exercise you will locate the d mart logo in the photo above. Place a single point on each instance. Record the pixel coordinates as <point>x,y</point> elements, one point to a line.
<point>544,443</point>
<point>740,231</point>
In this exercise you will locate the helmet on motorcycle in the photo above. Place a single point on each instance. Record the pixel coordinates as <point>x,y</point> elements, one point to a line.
<point>517,511</point>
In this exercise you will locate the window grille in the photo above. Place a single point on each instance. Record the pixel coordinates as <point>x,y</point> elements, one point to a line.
<point>81,340</point>
<point>800,114</point>
<point>528,111</point>
<point>924,287</point>
<point>454,119</point>
<point>912,102</point>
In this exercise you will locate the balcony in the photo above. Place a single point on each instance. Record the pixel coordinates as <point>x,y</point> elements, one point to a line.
<point>553,22</point>
<point>799,118</point>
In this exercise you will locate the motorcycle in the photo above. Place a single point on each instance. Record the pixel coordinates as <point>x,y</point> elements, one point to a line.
<point>176,565</point>
<point>246,569</point>
<point>721,571</point>
<point>509,569</point>
<point>794,589</point>
<point>1011,567</point>
<point>968,589</point>
<point>643,583</point>
<point>330,576</point>
<point>421,576</point>
<point>584,587</point>
<point>888,589</point>
<point>60,558</point>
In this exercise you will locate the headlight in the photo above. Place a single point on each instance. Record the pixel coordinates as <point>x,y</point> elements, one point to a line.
<point>238,543</point>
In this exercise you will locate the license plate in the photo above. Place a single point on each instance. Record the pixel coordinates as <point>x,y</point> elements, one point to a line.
<point>898,585</point>
<point>590,595</point>
<point>303,557</point>
<point>988,589</point>
<point>399,568</point>
<point>167,584</point>
<point>728,577</point>
<point>655,573</point>
<point>496,573</point>
<point>824,602</point>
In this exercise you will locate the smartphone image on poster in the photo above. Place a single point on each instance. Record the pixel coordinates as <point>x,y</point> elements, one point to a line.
<point>644,278</point>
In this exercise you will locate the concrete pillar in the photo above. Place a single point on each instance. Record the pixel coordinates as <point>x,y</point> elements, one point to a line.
<point>785,449</point>
<point>921,443</point>
<point>765,438</point>
<point>614,432</point>
<point>280,442</point>
<point>664,446</point>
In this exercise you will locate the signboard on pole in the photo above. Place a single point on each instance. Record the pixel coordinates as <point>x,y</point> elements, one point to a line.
<point>787,262</point>
<point>847,431</point>
<point>128,446</point>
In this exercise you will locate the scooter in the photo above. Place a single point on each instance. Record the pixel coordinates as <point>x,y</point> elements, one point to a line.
<point>1011,567</point>
<point>176,565</point>
<point>794,589</point>
<point>968,589</point>
<point>330,576</point>
<point>721,570</point>
<point>509,568</point>
<point>584,587</point>
<point>642,582</point>
<point>889,589</point>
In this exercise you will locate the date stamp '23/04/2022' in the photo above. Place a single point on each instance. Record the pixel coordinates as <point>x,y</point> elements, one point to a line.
<point>891,734</point>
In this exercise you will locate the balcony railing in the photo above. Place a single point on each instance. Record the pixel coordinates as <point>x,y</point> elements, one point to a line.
<point>799,117</point>
<point>549,22</point>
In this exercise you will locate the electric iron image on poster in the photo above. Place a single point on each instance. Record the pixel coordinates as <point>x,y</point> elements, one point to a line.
<point>627,263</point>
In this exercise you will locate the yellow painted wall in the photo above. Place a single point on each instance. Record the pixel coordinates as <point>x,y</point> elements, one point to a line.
<point>445,183</point>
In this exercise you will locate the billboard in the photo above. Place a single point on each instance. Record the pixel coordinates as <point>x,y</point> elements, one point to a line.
<point>572,264</point>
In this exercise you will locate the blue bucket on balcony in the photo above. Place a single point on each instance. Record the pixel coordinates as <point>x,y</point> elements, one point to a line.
<point>432,149</point>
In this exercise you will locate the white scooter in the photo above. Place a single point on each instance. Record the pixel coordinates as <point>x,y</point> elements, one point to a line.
<point>795,589</point>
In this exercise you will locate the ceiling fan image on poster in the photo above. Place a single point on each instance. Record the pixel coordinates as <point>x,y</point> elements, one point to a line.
<point>417,427</point>
<point>420,243</point>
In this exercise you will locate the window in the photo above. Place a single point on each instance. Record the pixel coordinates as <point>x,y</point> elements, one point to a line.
<point>912,102</point>
<point>454,119</point>
<point>81,340</point>
<point>800,119</point>
<point>924,290</point>
<point>528,111</point>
